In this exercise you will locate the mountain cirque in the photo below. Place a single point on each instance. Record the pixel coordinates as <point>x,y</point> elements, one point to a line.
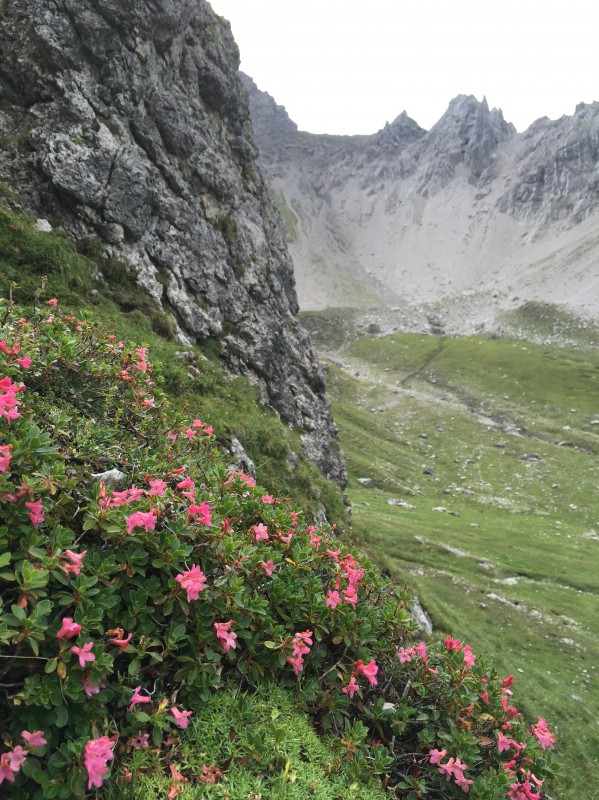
<point>126,121</point>
<point>448,227</point>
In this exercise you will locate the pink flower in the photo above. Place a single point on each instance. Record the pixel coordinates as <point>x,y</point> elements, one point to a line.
<point>200,514</point>
<point>334,554</point>
<point>122,644</point>
<point>136,698</point>
<point>5,456</point>
<point>297,662</point>
<point>268,566</point>
<point>543,734</point>
<point>181,717</point>
<point>141,519</point>
<point>351,688</point>
<point>469,657</point>
<point>453,644</point>
<point>36,513</point>
<point>267,499</point>
<point>6,773</point>
<point>90,688</point>
<point>193,581</point>
<point>333,599</point>
<point>315,540</point>
<point>76,560</point>
<point>68,629</point>
<point>369,670</point>
<point>224,634</point>
<point>24,362</point>
<point>405,654</point>
<point>140,742</point>
<point>17,757</point>
<point>8,399</point>
<point>186,483</point>
<point>33,739</point>
<point>422,651</point>
<point>97,752</point>
<point>53,302</point>
<point>158,487</point>
<point>84,653</point>
<point>190,433</point>
<point>437,755</point>
<point>350,595</point>
<point>142,364</point>
<point>260,532</point>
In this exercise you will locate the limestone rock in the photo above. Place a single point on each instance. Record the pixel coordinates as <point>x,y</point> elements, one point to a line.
<point>137,131</point>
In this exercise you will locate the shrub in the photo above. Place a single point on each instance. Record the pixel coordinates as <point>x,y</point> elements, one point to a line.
<point>138,576</point>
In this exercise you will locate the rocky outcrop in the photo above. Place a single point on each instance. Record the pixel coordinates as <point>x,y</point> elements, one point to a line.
<point>455,224</point>
<point>126,119</point>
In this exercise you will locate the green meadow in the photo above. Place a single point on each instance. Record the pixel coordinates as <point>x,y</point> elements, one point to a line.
<point>495,445</point>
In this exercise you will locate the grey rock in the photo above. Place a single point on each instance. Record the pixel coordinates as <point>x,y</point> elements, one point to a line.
<point>138,132</point>
<point>392,501</point>
<point>420,616</point>
<point>43,226</point>
<point>242,461</point>
<point>320,517</point>
<point>112,478</point>
<point>367,482</point>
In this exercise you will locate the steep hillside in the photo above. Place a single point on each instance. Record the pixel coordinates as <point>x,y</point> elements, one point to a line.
<point>460,222</point>
<point>126,124</point>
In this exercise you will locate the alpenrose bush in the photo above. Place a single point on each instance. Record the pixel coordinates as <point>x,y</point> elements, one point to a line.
<point>128,601</point>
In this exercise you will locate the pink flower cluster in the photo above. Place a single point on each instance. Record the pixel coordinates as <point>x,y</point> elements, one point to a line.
<point>543,734</point>
<point>117,499</point>
<point>456,645</point>
<point>8,399</point>
<point>370,670</point>
<point>201,514</point>
<point>406,654</point>
<point>12,761</point>
<point>524,791</point>
<point>5,457</point>
<point>247,479</point>
<point>141,519</point>
<point>453,768</point>
<point>95,757</point>
<point>193,581</point>
<point>349,569</point>
<point>225,636</point>
<point>302,642</point>
<point>36,512</point>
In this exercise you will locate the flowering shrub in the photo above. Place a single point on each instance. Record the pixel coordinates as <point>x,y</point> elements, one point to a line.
<point>129,600</point>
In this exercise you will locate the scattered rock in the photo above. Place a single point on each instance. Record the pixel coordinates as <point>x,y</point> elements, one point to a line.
<point>186,355</point>
<point>367,482</point>
<point>428,471</point>
<point>43,226</point>
<point>242,461</point>
<point>112,479</point>
<point>401,503</point>
<point>420,616</point>
<point>531,457</point>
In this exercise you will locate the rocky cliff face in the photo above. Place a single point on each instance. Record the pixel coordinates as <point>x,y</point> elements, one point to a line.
<point>454,224</point>
<point>126,119</point>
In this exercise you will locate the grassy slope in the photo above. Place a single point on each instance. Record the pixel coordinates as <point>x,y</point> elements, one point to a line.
<point>83,279</point>
<point>513,572</point>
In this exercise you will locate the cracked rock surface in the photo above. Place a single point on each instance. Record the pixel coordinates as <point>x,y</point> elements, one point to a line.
<point>126,119</point>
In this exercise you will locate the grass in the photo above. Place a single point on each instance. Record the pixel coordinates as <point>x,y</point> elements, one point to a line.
<point>473,426</point>
<point>271,749</point>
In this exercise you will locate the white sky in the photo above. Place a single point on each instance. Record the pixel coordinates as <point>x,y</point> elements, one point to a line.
<point>343,66</point>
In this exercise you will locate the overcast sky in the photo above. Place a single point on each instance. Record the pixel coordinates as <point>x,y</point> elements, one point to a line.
<point>343,66</point>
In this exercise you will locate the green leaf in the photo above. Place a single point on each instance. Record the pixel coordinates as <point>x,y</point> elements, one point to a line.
<point>4,559</point>
<point>51,665</point>
<point>62,716</point>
